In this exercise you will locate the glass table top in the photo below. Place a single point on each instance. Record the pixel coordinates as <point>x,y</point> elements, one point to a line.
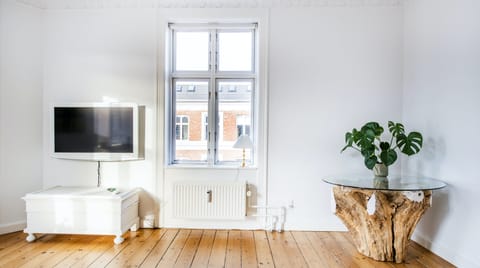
<point>391,183</point>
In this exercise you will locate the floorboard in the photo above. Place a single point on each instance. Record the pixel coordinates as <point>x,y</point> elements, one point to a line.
<point>204,249</point>
<point>200,248</point>
<point>171,255</point>
<point>263,250</point>
<point>219,250</point>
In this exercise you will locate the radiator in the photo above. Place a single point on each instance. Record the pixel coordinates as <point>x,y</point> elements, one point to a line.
<point>209,200</point>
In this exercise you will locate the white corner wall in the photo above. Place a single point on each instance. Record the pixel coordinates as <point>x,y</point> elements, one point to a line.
<point>442,100</point>
<point>20,110</point>
<point>330,69</point>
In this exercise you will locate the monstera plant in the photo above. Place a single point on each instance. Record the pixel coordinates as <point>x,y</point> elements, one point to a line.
<point>378,154</point>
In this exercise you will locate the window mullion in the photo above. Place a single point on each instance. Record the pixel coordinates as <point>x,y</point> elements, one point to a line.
<point>215,95</point>
<point>212,114</point>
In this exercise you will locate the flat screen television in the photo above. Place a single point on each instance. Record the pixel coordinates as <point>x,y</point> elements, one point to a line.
<point>97,132</point>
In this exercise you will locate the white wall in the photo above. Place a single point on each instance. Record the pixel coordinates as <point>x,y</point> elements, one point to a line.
<point>20,110</point>
<point>441,99</point>
<point>330,69</point>
<point>326,59</point>
<point>98,55</point>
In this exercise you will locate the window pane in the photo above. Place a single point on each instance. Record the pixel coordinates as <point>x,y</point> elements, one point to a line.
<point>177,131</point>
<point>243,125</point>
<point>185,132</point>
<point>189,107</point>
<point>235,51</point>
<point>191,51</point>
<point>235,107</point>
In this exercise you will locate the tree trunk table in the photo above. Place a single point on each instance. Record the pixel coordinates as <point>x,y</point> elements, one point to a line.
<point>382,230</point>
<point>381,218</point>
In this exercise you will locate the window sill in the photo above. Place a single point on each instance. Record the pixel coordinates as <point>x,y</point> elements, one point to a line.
<point>218,167</point>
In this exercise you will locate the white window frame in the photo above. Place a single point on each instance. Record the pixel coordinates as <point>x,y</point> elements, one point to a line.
<point>213,75</point>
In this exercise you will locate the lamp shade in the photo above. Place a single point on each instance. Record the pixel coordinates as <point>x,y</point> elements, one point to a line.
<point>243,142</point>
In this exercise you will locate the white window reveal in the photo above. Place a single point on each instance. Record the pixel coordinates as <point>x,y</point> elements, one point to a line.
<point>212,79</point>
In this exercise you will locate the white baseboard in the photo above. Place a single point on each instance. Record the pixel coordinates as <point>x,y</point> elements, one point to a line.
<point>12,227</point>
<point>446,252</point>
<point>208,224</point>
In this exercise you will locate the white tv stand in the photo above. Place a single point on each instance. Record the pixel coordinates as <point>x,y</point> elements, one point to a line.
<point>81,210</point>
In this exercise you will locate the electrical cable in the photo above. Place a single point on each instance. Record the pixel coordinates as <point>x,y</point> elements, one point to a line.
<point>99,181</point>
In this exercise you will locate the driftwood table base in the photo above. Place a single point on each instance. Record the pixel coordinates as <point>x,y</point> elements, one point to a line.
<point>381,222</point>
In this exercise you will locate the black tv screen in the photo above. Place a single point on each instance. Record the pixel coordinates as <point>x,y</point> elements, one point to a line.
<point>93,129</point>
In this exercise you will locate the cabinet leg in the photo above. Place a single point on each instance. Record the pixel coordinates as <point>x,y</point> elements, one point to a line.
<point>118,239</point>
<point>31,237</point>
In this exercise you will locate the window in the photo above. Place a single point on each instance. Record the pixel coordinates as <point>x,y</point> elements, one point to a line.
<point>212,79</point>
<point>181,127</point>
<point>243,125</point>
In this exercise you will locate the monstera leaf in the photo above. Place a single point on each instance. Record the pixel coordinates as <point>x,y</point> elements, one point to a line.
<point>348,141</point>
<point>368,151</point>
<point>395,128</point>
<point>373,126</point>
<point>384,146</point>
<point>363,138</point>
<point>388,157</point>
<point>370,161</point>
<point>410,144</point>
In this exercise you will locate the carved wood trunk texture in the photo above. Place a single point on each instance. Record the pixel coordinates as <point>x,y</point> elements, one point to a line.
<point>382,234</point>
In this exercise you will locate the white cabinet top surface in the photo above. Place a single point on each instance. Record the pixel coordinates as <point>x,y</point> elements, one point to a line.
<point>81,192</point>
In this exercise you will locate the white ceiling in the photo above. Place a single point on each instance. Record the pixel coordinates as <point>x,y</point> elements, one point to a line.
<point>99,4</point>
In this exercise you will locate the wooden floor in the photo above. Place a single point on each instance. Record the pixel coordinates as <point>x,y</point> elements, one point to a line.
<point>198,248</point>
